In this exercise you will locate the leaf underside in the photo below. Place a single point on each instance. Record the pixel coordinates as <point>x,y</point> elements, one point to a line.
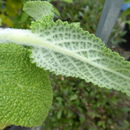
<point>74,52</point>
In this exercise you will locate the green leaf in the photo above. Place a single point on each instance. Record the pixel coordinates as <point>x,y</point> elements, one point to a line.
<point>73,97</point>
<point>77,24</point>
<point>74,52</point>
<point>25,90</point>
<point>68,50</point>
<point>39,9</point>
<point>68,1</point>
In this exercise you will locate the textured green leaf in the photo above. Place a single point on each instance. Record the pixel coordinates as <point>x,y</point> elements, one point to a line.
<point>68,1</point>
<point>39,9</point>
<point>25,91</point>
<point>68,50</point>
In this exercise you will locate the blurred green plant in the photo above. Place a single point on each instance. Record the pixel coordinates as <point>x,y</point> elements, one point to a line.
<point>88,12</point>
<point>79,106</point>
<point>11,14</point>
<point>126,14</point>
<point>81,11</point>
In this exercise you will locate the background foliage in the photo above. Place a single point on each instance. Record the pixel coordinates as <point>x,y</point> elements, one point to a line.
<point>77,105</point>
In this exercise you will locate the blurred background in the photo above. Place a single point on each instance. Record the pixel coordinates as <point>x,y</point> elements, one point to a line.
<point>78,105</point>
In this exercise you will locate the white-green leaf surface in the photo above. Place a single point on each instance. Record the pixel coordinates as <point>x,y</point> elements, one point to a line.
<point>77,53</point>
<point>66,49</point>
